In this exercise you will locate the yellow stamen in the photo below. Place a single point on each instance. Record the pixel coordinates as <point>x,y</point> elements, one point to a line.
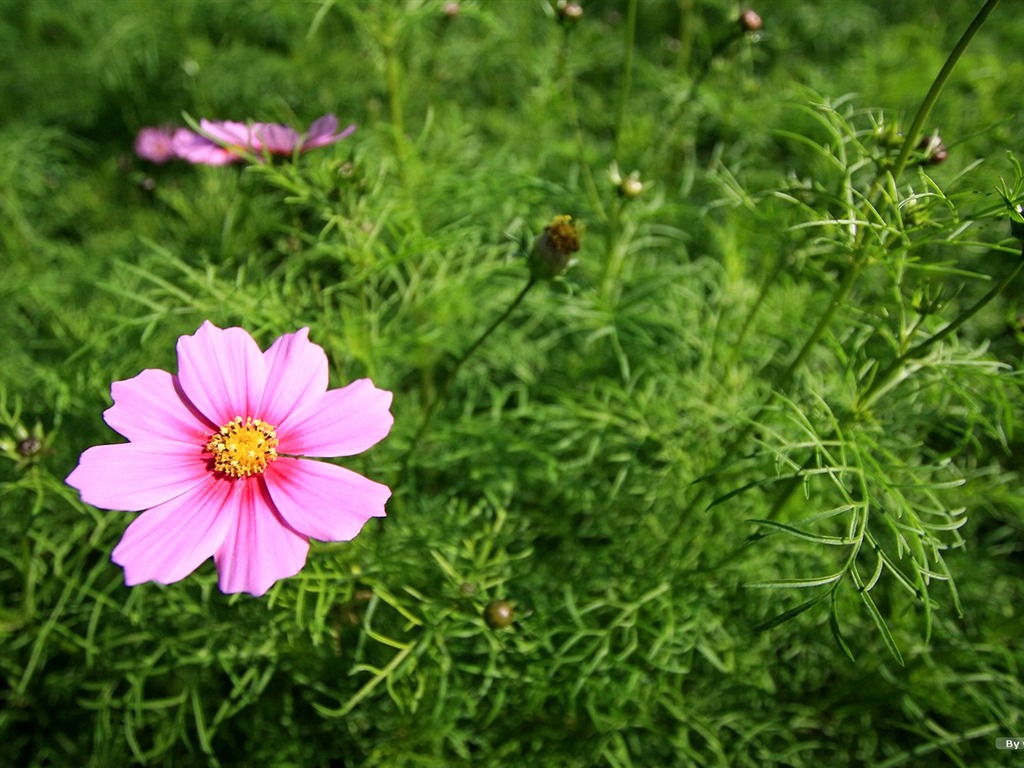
<point>243,448</point>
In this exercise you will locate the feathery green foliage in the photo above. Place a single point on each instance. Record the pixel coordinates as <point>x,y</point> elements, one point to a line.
<point>745,475</point>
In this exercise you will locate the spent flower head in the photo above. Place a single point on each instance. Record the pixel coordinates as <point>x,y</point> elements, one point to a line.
<point>553,248</point>
<point>218,457</point>
<point>24,446</point>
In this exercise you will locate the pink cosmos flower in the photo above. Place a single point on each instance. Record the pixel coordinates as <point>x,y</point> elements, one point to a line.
<point>218,457</point>
<point>225,141</point>
<point>155,144</point>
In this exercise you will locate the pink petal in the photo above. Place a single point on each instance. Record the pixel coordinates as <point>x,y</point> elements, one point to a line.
<point>139,475</point>
<point>155,144</point>
<point>221,372</point>
<point>228,132</point>
<point>259,548</point>
<point>169,541</point>
<point>324,501</point>
<point>152,406</point>
<point>320,133</point>
<point>296,373</point>
<point>323,126</point>
<point>277,139</point>
<point>341,422</point>
<point>195,149</point>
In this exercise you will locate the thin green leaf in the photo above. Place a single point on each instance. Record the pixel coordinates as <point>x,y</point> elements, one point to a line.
<point>816,581</point>
<point>792,613</point>
<point>876,616</point>
<point>818,538</point>
<point>833,624</point>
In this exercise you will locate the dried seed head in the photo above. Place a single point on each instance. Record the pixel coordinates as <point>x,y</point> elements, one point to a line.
<point>29,446</point>
<point>554,246</point>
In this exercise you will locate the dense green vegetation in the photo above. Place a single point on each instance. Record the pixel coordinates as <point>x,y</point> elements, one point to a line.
<point>739,488</point>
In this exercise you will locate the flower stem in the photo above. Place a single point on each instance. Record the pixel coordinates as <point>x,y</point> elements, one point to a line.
<point>613,257</point>
<point>627,74</point>
<point>446,383</point>
<point>845,287</point>
<point>882,382</point>
<point>842,293</point>
<point>686,32</point>
<point>393,75</point>
<point>937,85</point>
<point>574,119</point>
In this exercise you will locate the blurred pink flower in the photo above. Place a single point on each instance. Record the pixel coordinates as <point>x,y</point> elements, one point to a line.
<point>155,144</point>
<point>224,141</point>
<point>199,150</point>
<point>214,460</point>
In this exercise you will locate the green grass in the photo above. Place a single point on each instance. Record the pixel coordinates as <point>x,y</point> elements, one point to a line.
<point>747,473</point>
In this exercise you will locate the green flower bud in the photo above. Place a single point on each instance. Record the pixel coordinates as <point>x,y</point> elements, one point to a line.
<point>629,187</point>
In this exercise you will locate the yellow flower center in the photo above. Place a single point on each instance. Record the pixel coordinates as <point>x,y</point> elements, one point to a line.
<point>243,448</point>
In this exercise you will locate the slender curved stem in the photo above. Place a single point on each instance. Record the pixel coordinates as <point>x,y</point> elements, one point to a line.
<point>574,119</point>
<point>446,383</point>
<point>937,85</point>
<point>845,287</point>
<point>881,382</point>
<point>627,73</point>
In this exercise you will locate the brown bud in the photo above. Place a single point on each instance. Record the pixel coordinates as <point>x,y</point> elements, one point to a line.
<point>935,151</point>
<point>500,614</point>
<point>749,21</point>
<point>569,13</point>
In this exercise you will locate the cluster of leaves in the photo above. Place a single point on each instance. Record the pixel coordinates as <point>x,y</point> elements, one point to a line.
<point>780,384</point>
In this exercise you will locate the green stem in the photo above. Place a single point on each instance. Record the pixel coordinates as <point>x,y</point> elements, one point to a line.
<point>393,74</point>
<point>627,73</point>
<point>843,290</point>
<point>939,83</point>
<point>453,372</point>
<point>613,258</point>
<point>778,269</point>
<point>717,51</point>
<point>574,119</point>
<point>686,32</point>
<point>883,381</point>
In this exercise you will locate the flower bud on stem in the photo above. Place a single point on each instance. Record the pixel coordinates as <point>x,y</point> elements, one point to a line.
<point>549,258</point>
